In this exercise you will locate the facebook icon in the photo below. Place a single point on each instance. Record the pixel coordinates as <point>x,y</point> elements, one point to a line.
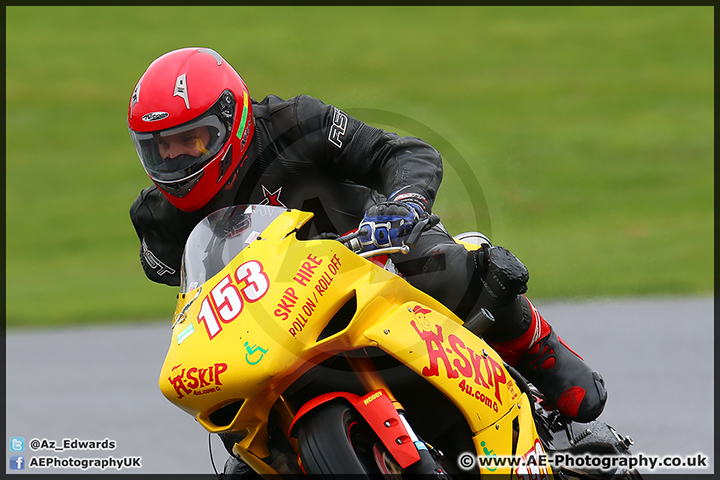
<point>17,462</point>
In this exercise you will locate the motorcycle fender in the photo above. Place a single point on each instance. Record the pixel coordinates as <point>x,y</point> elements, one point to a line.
<point>382,416</point>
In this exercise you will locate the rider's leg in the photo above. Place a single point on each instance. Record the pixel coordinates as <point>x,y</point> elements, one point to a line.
<point>526,341</point>
<point>466,281</point>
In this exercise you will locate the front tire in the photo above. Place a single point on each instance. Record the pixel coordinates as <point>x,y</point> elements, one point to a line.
<point>334,439</point>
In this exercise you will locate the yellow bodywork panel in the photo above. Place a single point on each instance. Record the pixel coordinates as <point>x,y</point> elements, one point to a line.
<point>254,328</point>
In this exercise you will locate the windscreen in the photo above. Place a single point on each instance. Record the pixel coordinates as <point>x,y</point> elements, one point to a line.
<point>216,240</point>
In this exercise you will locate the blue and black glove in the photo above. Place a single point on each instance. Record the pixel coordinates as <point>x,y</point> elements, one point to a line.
<point>389,224</point>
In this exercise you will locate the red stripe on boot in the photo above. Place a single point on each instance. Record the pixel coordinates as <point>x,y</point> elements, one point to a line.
<point>511,350</point>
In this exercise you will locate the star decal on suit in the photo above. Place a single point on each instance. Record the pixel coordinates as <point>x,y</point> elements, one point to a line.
<point>272,198</point>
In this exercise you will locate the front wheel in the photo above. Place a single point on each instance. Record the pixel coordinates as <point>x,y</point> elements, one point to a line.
<point>334,439</point>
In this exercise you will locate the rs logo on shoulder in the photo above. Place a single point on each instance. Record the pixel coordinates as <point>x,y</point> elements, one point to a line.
<point>337,130</point>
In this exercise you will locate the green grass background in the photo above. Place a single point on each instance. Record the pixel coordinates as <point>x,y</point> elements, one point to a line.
<point>579,137</point>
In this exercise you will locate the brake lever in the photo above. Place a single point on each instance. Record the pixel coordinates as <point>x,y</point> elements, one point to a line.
<point>404,249</point>
<point>420,227</point>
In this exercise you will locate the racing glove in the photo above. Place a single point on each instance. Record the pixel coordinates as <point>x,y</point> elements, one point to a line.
<point>388,224</point>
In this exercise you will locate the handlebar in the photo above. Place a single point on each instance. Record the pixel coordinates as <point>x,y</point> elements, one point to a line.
<point>353,243</point>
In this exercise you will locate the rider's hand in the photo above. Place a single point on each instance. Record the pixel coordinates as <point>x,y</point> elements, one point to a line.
<point>388,224</point>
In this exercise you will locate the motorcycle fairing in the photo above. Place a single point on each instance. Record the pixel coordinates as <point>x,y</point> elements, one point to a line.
<point>257,328</point>
<point>259,352</point>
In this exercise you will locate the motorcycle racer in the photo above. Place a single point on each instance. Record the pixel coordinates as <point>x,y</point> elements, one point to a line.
<point>206,144</point>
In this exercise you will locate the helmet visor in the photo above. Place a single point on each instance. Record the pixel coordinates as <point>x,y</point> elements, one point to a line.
<point>180,152</point>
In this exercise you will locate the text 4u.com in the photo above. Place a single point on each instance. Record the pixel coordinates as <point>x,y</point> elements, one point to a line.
<point>469,461</point>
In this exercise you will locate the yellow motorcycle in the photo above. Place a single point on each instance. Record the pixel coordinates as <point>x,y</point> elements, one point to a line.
<point>323,361</point>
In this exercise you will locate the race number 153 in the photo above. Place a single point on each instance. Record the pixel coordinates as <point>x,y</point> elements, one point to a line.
<point>225,302</point>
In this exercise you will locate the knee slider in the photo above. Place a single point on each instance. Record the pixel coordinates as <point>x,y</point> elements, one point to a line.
<point>505,276</point>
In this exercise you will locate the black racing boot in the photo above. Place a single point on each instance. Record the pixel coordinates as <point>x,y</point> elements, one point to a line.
<point>563,377</point>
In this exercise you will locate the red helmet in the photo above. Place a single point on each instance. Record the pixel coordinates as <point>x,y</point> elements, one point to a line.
<point>190,118</point>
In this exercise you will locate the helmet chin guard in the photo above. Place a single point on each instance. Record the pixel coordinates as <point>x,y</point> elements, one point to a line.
<point>190,119</point>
